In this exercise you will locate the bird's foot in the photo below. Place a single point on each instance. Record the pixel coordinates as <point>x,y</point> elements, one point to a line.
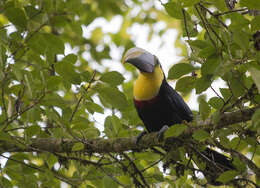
<point>185,122</point>
<point>138,138</point>
<point>161,132</point>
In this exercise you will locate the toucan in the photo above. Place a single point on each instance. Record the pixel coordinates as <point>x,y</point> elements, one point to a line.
<point>160,106</point>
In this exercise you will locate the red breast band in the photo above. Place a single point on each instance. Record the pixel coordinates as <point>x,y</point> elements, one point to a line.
<point>141,104</point>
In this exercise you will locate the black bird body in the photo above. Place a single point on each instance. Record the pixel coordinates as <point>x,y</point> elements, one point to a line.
<point>166,108</point>
<point>158,104</point>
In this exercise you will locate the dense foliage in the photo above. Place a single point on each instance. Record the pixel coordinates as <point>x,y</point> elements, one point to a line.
<point>57,72</point>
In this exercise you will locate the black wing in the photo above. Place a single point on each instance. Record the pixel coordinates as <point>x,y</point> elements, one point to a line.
<point>178,105</point>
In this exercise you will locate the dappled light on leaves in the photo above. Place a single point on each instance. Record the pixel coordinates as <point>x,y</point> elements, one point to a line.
<point>67,116</point>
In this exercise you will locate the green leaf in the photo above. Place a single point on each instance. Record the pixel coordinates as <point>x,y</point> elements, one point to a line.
<point>32,130</point>
<point>175,130</point>
<point>79,123</point>
<point>251,4</point>
<point>38,43</point>
<point>97,35</point>
<point>112,126</point>
<point>5,136</point>
<point>180,69</point>
<point>255,76</point>
<point>201,135</point>
<point>185,84</point>
<point>220,4</point>
<point>109,127</point>
<point>256,115</point>
<point>256,119</point>
<point>3,55</point>
<point>238,22</point>
<point>216,102</point>
<point>210,66</point>
<point>113,78</point>
<point>16,16</point>
<point>242,39</point>
<point>116,123</point>
<point>108,182</point>
<point>215,117</point>
<point>53,82</point>
<point>226,93</point>
<point>204,108</point>
<point>237,87</point>
<point>174,10</point>
<point>188,3</point>
<point>70,58</point>
<point>5,182</point>
<point>255,23</point>
<point>93,107</point>
<point>198,43</point>
<point>54,43</point>
<point>51,160</point>
<point>92,132</point>
<point>112,96</point>
<point>240,165</point>
<point>78,146</point>
<point>202,84</point>
<point>227,176</point>
<point>66,69</point>
<point>207,52</point>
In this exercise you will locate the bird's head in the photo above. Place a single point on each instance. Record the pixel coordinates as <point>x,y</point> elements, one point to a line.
<point>141,59</point>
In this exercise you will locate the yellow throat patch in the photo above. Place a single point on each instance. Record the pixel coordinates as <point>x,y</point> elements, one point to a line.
<point>147,85</point>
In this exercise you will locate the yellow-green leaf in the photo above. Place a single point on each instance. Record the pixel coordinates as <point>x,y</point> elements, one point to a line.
<point>77,147</point>
<point>179,70</point>
<point>200,135</point>
<point>175,130</point>
<point>227,176</point>
<point>255,76</point>
<point>16,16</point>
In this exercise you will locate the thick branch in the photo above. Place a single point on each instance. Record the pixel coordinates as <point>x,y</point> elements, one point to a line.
<point>229,118</point>
<point>119,145</point>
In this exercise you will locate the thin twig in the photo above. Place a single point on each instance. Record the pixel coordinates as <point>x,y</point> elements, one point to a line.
<point>76,109</point>
<point>152,164</point>
<point>84,161</point>
<point>231,11</point>
<point>7,121</point>
<point>214,15</point>
<point>112,177</point>
<point>82,96</point>
<point>217,94</point>
<point>185,24</point>
<point>8,25</point>
<point>125,169</point>
<point>186,27</point>
<point>240,100</point>
<point>136,169</point>
<point>3,95</point>
<point>62,178</point>
<point>211,28</point>
<point>205,26</point>
<point>27,39</point>
<point>22,163</point>
<point>243,158</point>
<point>246,180</point>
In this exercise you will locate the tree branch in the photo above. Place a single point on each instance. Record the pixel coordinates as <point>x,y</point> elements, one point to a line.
<point>119,145</point>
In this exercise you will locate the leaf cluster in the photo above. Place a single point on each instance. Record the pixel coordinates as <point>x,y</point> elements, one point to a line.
<point>60,79</point>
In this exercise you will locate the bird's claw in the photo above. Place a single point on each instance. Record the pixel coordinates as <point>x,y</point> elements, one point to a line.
<point>161,132</point>
<point>138,138</point>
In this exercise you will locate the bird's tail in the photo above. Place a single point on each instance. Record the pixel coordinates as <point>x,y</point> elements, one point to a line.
<point>215,164</point>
